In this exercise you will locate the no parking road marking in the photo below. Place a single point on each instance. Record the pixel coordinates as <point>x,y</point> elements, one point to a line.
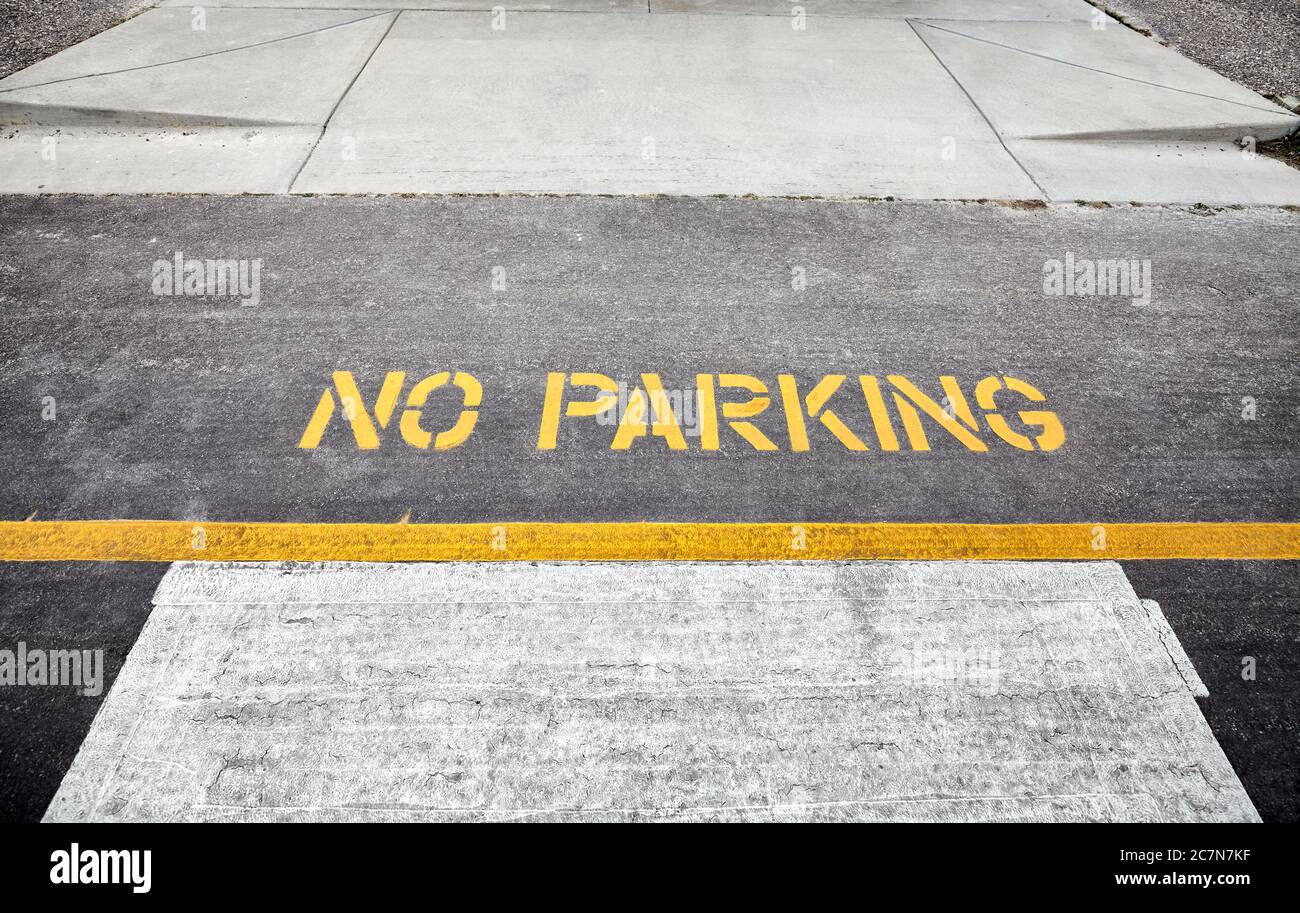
<point>719,403</point>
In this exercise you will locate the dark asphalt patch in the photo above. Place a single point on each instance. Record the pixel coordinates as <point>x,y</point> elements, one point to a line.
<point>1223,613</point>
<point>61,606</point>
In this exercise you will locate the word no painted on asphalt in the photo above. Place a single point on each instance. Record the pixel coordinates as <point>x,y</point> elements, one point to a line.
<point>732,410</point>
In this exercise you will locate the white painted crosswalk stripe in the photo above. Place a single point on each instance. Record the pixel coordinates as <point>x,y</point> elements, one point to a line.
<point>752,691</point>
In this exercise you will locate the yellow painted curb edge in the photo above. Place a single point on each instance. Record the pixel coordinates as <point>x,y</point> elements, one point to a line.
<point>169,540</point>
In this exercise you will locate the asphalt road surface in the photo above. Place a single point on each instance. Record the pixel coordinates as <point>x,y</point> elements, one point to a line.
<point>125,403</point>
<point>192,408</point>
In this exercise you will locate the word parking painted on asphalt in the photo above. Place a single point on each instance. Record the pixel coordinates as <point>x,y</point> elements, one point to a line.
<point>722,407</point>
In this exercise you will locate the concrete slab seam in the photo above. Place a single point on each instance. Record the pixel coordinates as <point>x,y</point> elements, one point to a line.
<point>912,25</point>
<point>165,63</point>
<point>343,95</point>
<point>1080,66</point>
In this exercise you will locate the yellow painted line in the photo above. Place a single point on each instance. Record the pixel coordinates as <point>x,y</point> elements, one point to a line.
<point>167,540</point>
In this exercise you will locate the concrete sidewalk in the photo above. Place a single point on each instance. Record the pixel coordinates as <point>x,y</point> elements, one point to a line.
<point>978,99</point>
<point>631,691</point>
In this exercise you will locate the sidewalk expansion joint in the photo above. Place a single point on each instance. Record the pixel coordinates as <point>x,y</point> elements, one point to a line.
<point>1019,164</point>
<point>167,63</point>
<point>1080,66</point>
<point>396,14</point>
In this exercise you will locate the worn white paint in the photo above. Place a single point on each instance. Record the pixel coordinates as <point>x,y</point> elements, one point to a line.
<point>785,691</point>
<point>1169,640</point>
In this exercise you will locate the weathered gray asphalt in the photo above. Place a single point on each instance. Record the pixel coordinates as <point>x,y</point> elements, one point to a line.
<point>185,408</point>
<point>192,408</point>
